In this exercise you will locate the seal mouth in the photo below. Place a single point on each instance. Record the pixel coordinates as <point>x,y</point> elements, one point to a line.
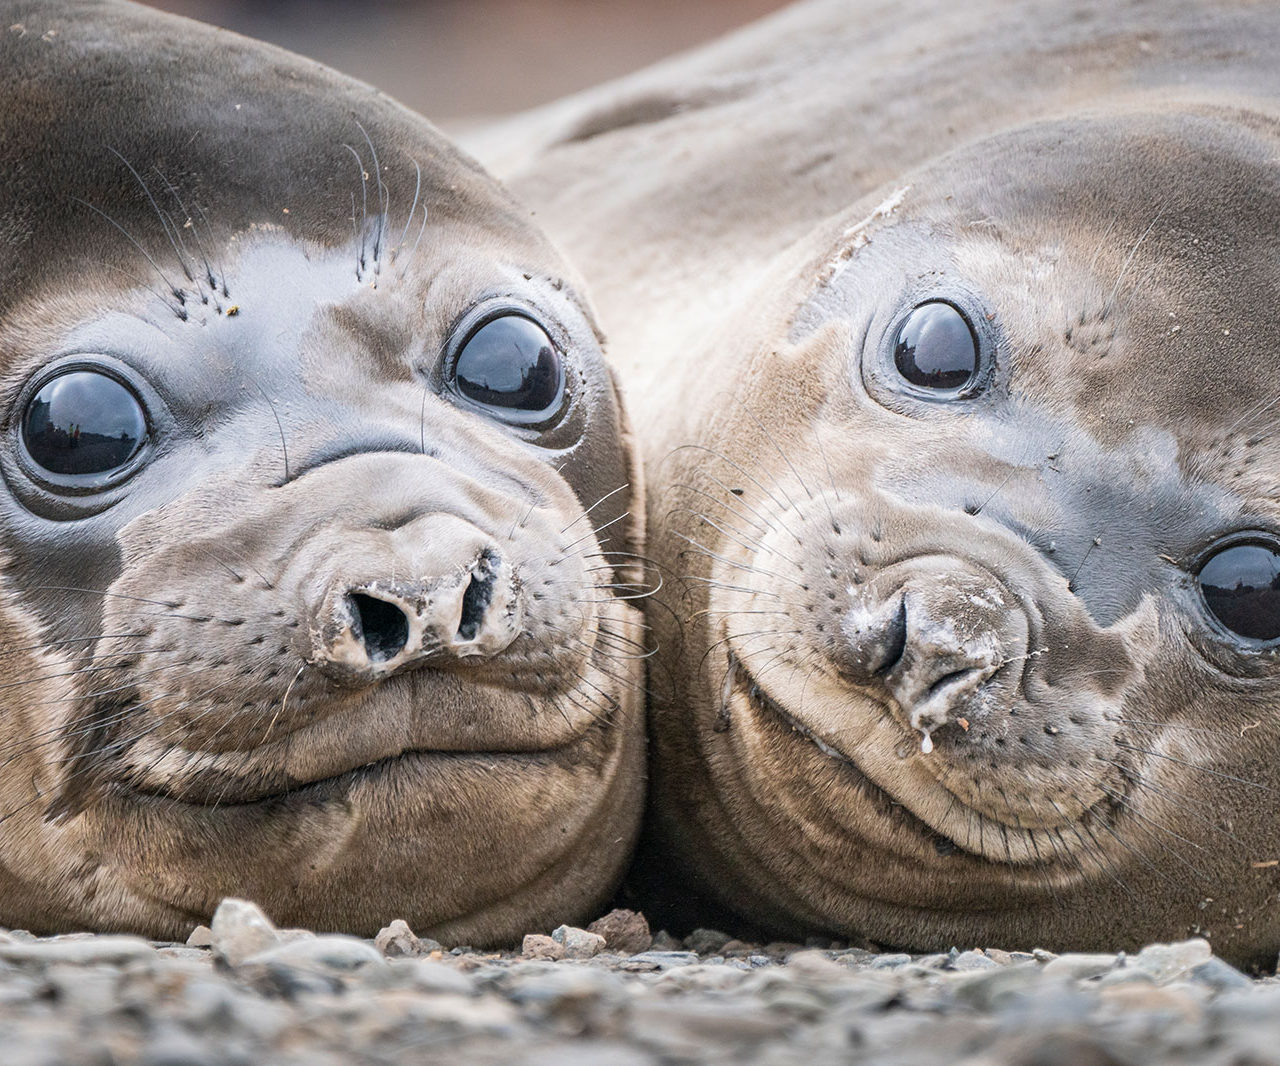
<point>743,683</point>
<point>932,815</point>
<point>213,789</point>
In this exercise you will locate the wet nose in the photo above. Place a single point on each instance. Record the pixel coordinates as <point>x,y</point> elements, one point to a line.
<point>375,626</point>
<point>931,642</point>
<point>875,636</point>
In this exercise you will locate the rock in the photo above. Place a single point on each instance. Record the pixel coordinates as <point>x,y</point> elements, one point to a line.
<point>1080,967</point>
<point>1133,998</point>
<point>972,960</point>
<point>174,1047</point>
<point>889,961</point>
<point>535,946</point>
<point>1167,962</point>
<point>812,965</point>
<point>239,930</point>
<point>664,941</point>
<point>578,943</point>
<point>437,978</point>
<point>625,932</point>
<point>1219,976</point>
<point>201,937</point>
<point>341,954</point>
<point>738,949</point>
<point>99,950</point>
<point>1000,986</point>
<point>706,941</point>
<point>664,960</point>
<point>397,941</point>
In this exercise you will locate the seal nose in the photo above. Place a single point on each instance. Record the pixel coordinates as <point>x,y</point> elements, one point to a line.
<point>376,627</point>
<point>931,642</point>
<point>874,638</point>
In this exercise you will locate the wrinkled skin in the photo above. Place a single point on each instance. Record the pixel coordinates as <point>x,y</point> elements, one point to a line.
<point>337,638</point>
<point>940,670</point>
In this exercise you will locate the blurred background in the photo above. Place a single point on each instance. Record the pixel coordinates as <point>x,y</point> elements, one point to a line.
<point>450,59</point>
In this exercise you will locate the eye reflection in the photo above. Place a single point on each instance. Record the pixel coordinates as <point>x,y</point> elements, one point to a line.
<point>511,365</point>
<point>1241,586</point>
<point>936,348</point>
<point>83,423</point>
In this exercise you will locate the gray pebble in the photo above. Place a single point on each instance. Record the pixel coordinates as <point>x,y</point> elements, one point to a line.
<point>341,954</point>
<point>972,960</point>
<point>662,960</point>
<point>1167,962</point>
<point>889,961</point>
<point>102,950</point>
<point>240,929</point>
<point>437,978</point>
<point>1080,967</point>
<point>1218,975</point>
<point>706,941</point>
<point>577,943</point>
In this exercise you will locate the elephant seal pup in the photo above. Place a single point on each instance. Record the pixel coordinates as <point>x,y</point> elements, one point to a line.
<point>315,521</point>
<point>952,338</point>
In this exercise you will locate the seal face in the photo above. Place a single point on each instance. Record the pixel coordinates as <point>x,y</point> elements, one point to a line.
<point>315,531</point>
<point>982,633</point>
<point>952,332</point>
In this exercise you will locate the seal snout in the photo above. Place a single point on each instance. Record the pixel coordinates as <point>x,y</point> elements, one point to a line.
<point>932,637</point>
<point>454,616</point>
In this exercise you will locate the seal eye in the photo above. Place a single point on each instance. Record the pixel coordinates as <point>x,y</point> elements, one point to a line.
<point>83,423</point>
<point>936,348</point>
<point>509,364</point>
<point>1241,586</point>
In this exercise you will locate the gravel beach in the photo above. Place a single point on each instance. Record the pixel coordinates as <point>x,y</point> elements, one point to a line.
<point>244,992</point>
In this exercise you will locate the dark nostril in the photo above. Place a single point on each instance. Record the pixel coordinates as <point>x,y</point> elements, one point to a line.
<point>875,639</point>
<point>384,629</point>
<point>476,600</point>
<point>895,638</point>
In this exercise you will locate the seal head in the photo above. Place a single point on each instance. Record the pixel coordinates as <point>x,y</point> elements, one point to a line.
<point>982,636</point>
<point>316,530</point>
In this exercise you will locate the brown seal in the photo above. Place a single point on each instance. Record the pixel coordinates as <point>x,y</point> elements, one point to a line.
<point>315,534</point>
<point>951,336</point>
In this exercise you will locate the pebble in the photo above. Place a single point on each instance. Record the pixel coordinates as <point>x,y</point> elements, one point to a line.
<point>626,932</point>
<point>1080,967</point>
<point>106,950</point>
<point>577,943</point>
<point>536,946</point>
<point>201,937</point>
<point>240,929</point>
<point>321,955</point>
<point>397,941</point>
<point>328,1000</point>
<point>706,941</point>
<point>890,961</point>
<point>972,960</point>
<point>1166,962</point>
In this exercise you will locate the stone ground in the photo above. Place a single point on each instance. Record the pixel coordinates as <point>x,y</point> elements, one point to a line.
<point>247,993</point>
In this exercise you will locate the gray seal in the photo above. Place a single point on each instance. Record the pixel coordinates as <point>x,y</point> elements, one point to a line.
<point>952,333</point>
<point>316,540</point>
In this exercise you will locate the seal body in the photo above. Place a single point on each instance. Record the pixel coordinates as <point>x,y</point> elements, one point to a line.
<point>315,528</point>
<point>950,336</point>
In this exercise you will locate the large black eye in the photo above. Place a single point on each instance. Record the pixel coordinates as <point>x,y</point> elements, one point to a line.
<point>1241,586</point>
<point>510,364</point>
<point>83,423</point>
<point>936,348</point>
